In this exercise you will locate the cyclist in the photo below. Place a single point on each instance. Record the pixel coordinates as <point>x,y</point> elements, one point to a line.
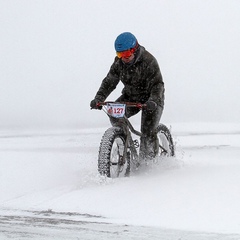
<point>140,74</point>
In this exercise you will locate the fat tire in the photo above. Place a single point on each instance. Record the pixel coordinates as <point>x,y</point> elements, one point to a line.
<point>106,145</point>
<point>162,129</point>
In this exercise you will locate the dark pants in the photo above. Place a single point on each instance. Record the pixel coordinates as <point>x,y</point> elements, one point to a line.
<point>149,144</point>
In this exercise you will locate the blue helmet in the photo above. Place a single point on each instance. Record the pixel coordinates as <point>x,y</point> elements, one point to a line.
<point>125,41</point>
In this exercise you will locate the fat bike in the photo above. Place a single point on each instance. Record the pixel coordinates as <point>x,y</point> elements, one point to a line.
<point>118,152</point>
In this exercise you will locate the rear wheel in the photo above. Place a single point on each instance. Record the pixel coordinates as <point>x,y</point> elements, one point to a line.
<point>166,146</point>
<point>111,162</point>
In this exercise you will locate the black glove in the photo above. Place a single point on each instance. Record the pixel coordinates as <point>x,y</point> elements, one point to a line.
<point>93,104</point>
<point>151,106</point>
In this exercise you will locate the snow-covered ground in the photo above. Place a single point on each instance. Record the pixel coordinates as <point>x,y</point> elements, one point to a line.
<point>50,188</point>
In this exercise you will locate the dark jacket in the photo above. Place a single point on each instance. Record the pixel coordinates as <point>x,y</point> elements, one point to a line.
<point>142,79</point>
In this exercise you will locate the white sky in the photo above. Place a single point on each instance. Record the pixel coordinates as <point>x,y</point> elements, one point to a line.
<point>55,53</point>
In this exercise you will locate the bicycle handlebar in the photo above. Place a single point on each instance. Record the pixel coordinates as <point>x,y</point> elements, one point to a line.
<point>128,104</point>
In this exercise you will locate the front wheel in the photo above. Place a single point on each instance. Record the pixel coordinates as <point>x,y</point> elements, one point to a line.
<point>112,161</point>
<point>166,146</point>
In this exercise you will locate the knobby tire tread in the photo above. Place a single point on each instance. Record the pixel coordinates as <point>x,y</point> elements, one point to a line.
<point>164,129</point>
<point>106,147</point>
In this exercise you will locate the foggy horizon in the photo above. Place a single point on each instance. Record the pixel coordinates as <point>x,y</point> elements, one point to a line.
<point>54,55</point>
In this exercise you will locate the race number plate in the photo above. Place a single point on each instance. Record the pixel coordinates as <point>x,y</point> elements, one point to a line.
<point>116,110</point>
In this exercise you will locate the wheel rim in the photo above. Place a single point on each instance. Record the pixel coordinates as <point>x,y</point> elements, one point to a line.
<point>118,166</point>
<point>165,148</point>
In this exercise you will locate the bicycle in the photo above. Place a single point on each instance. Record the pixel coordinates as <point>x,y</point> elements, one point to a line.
<point>118,154</point>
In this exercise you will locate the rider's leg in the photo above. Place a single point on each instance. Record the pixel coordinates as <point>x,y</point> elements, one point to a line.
<point>149,145</point>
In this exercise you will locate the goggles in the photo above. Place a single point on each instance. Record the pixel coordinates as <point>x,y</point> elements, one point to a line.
<point>128,53</point>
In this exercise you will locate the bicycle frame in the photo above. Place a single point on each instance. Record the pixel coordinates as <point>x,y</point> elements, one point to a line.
<point>127,122</point>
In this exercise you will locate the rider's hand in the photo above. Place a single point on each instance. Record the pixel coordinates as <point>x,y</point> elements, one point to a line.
<point>151,106</point>
<point>94,104</point>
